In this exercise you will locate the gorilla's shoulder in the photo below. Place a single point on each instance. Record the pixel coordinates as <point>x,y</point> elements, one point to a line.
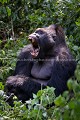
<point>27,48</point>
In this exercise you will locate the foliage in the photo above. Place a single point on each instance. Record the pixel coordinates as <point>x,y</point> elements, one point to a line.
<point>17,20</point>
<point>66,107</point>
<point>26,15</point>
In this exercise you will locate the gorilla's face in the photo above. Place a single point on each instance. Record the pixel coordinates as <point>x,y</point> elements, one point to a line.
<point>42,40</point>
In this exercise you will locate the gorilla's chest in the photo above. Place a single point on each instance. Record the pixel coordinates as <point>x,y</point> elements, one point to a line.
<point>42,70</point>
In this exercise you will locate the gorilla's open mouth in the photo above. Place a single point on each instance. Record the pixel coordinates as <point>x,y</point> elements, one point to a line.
<point>35,45</point>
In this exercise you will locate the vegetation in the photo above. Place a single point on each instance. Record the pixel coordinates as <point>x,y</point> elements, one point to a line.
<point>17,20</point>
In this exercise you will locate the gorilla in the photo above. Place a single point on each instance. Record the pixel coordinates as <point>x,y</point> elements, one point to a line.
<point>47,61</point>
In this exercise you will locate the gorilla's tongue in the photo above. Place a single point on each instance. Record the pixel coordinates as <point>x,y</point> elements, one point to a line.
<point>35,52</point>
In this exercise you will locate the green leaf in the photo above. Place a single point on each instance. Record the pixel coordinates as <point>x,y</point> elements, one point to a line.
<point>77,72</point>
<point>70,84</point>
<point>1,92</point>
<point>8,11</point>
<point>1,86</point>
<point>75,48</point>
<point>3,52</point>
<point>59,101</point>
<point>78,22</point>
<point>72,104</point>
<point>3,1</point>
<point>34,96</point>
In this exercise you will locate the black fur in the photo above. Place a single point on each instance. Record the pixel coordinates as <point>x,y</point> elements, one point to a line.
<point>30,72</point>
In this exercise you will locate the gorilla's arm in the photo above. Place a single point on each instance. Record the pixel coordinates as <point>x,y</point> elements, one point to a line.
<point>61,72</point>
<point>24,63</point>
<point>23,87</point>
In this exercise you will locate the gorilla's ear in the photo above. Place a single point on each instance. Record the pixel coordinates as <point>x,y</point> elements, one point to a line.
<point>59,31</point>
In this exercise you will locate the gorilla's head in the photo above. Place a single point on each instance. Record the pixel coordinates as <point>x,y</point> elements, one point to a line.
<point>44,39</point>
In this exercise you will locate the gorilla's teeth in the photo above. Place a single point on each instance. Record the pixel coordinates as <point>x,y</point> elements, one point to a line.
<point>33,40</point>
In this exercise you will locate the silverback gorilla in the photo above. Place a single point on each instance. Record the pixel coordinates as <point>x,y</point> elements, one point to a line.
<point>45,62</point>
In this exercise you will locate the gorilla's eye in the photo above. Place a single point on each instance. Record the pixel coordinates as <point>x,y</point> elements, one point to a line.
<point>39,32</point>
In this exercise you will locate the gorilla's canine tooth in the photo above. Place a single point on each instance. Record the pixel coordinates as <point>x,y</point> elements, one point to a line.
<point>33,40</point>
